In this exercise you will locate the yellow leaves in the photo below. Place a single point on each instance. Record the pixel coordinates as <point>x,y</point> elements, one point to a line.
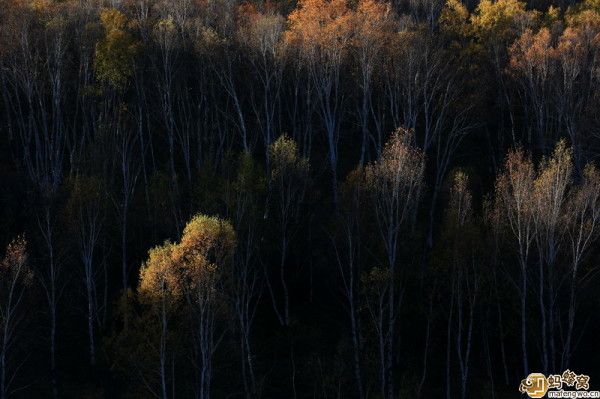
<point>500,20</point>
<point>454,19</point>
<point>395,181</point>
<point>551,186</point>
<point>158,275</point>
<point>41,5</point>
<point>193,264</point>
<point>207,40</point>
<point>112,19</point>
<point>115,53</point>
<point>285,159</point>
<point>166,25</point>
<point>558,168</point>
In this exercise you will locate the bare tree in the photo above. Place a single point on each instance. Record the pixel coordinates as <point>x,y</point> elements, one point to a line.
<point>86,207</point>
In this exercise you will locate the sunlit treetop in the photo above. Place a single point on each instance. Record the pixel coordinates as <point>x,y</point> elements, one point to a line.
<point>501,20</point>
<point>320,25</point>
<point>158,275</point>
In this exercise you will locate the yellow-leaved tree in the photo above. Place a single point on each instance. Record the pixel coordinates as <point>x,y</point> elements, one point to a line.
<point>188,275</point>
<point>115,52</point>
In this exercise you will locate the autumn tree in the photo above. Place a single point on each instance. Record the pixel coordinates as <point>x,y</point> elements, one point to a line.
<point>581,218</point>
<point>115,52</point>
<point>35,99</point>
<point>495,25</point>
<point>287,185</point>
<point>395,184</point>
<point>16,278</point>
<point>550,194</point>
<point>203,258</point>
<point>160,287</point>
<point>513,212</point>
<point>246,209</point>
<point>113,63</point>
<point>349,256</point>
<point>460,263</point>
<point>373,25</point>
<point>321,30</point>
<point>189,275</point>
<point>532,57</point>
<point>262,36</point>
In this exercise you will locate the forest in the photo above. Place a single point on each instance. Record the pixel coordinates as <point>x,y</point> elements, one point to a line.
<point>297,198</point>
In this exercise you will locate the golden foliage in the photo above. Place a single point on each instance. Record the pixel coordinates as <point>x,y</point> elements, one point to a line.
<point>501,20</point>
<point>192,265</point>
<point>158,275</point>
<point>454,19</point>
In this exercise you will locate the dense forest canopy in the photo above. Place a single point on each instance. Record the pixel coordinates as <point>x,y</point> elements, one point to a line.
<point>280,199</point>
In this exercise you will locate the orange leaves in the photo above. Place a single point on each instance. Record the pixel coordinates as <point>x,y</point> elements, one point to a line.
<point>532,52</point>
<point>373,22</point>
<point>331,26</point>
<point>538,55</point>
<point>320,25</point>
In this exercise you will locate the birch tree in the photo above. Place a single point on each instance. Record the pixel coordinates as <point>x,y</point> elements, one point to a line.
<point>395,183</point>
